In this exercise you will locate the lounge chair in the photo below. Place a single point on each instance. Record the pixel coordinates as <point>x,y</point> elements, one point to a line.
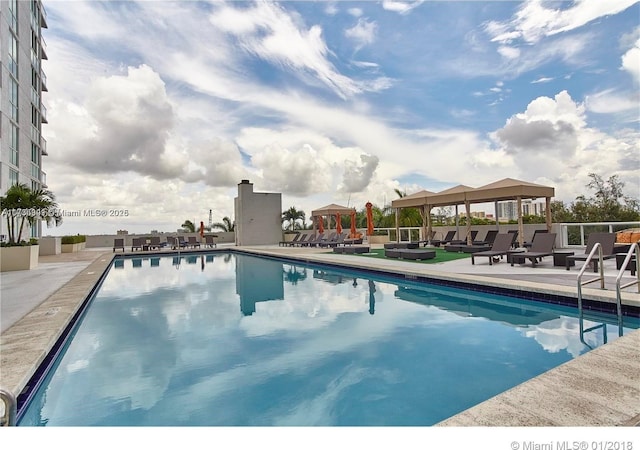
<point>514,238</point>
<point>448,238</point>
<point>209,240</point>
<point>177,242</point>
<point>193,242</point>
<point>310,238</point>
<point>607,242</point>
<point>136,243</point>
<point>535,233</point>
<point>315,242</point>
<point>300,241</point>
<point>473,234</point>
<point>118,243</point>
<point>501,246</point>
<point>286,243</point>
<point>336,241</point>
<point>154,242</point>
<point>488,239</point>
<point>541,246</point>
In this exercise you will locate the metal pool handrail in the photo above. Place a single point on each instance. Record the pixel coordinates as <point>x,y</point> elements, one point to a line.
<point>635,246</point>
<point>597,247</point>
<point>8,419</point>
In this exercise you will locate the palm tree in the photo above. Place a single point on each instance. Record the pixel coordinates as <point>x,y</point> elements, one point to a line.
<point>189,226</point>
<point>226,225</point>
<point>21,205</point>
<point>292,215</point>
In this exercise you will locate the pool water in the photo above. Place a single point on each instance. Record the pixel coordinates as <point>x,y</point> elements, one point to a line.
<point>227,339</point>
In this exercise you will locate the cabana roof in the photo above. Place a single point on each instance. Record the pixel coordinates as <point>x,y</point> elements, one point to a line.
<point>505,189</point>
<point>331,210</point>
<point>416,199</point>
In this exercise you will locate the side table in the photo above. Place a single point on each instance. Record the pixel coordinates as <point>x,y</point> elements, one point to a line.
<point>560,258</point>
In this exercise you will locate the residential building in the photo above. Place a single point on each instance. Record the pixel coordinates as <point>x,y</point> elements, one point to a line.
<point>22,82</point>
<point>508,210</point>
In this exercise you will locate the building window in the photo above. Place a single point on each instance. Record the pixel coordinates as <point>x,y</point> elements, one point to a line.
<point>35,171</point>
<point>13,145</point>
<point>35,154</point>
<point>13,99</point>
<point>13,177</point>
<point>13,56</point>
<point>35,185</point>
<point>13,14</point>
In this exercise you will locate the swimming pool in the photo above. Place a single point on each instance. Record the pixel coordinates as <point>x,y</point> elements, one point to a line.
<point>233,339</point>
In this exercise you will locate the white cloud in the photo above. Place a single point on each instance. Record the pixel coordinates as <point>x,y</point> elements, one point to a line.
<point>402,7</point>
<point>534,20</point>
<point>631,61</point>
<point>363,33</point>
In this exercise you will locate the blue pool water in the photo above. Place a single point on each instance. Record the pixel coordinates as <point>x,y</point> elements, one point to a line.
<point>230,339</point>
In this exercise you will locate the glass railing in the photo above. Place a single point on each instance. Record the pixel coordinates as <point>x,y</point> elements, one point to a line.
<point>576,234</point>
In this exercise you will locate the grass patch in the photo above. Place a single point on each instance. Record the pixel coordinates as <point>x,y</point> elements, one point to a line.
<point>441,256</point>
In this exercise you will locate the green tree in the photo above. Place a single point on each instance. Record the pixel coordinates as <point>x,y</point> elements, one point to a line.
<point>609,204</point>
<point>292,216</point>
<point>226,225</point>
<point>21,206</point>
<point>189,226</point>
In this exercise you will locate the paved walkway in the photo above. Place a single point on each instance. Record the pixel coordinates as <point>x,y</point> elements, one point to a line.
<point>601,387</point>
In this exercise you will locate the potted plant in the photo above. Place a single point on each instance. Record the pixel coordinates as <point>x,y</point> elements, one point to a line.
<point>22,208</point>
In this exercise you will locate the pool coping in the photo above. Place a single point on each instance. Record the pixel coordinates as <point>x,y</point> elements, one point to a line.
<point>23,350</point>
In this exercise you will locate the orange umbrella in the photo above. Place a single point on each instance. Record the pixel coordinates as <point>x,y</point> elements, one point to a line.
<point>320,224</point>
<point>369,207</point>
<point>353,224</point>
<point>201,229</point>
<point>338,223</point>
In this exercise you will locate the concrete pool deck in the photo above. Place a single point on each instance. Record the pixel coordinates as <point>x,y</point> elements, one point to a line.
<point>599,388</point>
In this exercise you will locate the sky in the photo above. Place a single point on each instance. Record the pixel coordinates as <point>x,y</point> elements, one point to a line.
<point>158,109</point>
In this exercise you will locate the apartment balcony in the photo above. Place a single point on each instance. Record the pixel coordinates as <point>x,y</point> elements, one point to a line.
<point>43,16</point>
<point>43,81</point>
<point>43,48</point>
<point>43,146</point>
<point>43,113</point>
<point>35,97</point>
<point>43,179</point>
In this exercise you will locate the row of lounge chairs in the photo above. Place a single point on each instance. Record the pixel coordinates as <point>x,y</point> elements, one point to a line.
<point>542,245</point>
<point>154,243</point>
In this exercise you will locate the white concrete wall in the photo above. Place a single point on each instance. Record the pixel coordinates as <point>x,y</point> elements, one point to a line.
<point>258,216</point>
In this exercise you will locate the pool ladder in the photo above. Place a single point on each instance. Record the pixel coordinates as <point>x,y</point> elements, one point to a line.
<point>8,418</point>
<point>635,247</point>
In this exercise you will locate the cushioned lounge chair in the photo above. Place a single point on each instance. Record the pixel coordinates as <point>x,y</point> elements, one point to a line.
<point>193,242</point>
<point>535,233</point>
<point>155,243</point>
<point>448,238</point>
<point>300,242</point>
<point>541,246</point>
<point>473,234</point>
<point>177,242</point>
<point>136,244</point>
<point>514,238</point>
<point>209,241</point>
<point>607,242</point>
<point>337,240</point>
<point>313,240</point>
<point>118,243</point>
<point>501,246</point>
<point>488,239</point>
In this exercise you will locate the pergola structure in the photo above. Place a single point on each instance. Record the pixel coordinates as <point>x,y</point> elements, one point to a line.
<point>330,211</point>
<point>502,190</point>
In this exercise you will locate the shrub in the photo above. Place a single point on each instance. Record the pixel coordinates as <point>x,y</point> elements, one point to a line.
<point>73,239</point>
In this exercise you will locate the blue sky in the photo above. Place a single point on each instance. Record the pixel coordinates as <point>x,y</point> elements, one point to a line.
<point>162,108</point>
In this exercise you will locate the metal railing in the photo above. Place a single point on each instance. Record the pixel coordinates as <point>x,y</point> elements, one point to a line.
<point>8,418</point>
<point>635,248</point>
<point>596,248</point>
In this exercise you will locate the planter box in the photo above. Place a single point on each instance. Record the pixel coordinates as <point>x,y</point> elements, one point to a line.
<point>72,248</point>
<point>377,239</point>
<point>19,258</point>
<point>50,246</point>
